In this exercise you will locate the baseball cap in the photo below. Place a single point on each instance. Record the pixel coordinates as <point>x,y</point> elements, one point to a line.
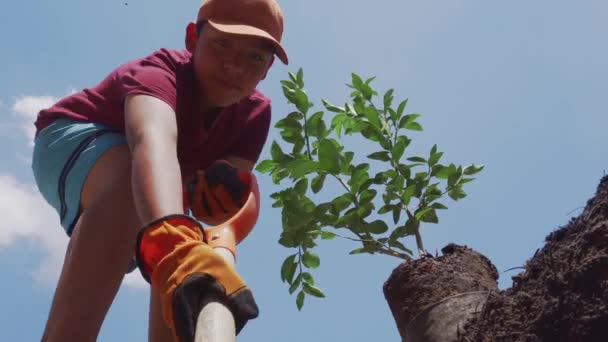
<point>261,18</point>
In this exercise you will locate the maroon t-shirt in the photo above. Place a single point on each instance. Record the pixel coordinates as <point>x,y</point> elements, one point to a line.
<point>239,130</point>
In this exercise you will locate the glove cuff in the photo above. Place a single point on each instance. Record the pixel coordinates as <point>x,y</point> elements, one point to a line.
<point>160,237</point>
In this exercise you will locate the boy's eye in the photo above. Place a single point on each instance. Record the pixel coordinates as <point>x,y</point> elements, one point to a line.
<point>257,57</point>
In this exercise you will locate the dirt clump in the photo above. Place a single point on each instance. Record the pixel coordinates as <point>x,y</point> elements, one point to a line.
<point>416,284</point>
<point>563,293</point>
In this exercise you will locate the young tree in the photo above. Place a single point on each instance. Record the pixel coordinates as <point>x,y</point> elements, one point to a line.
<point>408,188</point>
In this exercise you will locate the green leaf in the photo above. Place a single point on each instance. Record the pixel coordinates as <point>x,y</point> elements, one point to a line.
<point>408,120</point>
<point>399,245</point>
<point>413,126</point>
<point>288,269</point>
<point>301,101</point>
<point>359,176</point>
<point>342,202</point>
<point>399,232</point>
<point>404,170</point>
<point>446,172</point>
<point>293,77</point>
<point>330,107</point>
<point>385,142</point>
<point>421,212</point>
<point>388,98</point>
<point>317,182</point>
<point>325,235</point>
<point>300,300</point>
<point>438,205</point>
<point>436,169</point>
<point>348,158</point>
<point>300,78</point>
<point>314,125</point>
<point>399,148</point>
<point>373,116</point>
<point>337,122</point>
<point>301,167</point>
<point>288,84</point>
<point>296,283</point>
<point>410,190</point>
<point>359,251</point>
<point>313,290</point>
<point>311,260</point>
<point>417,159</point>
<point>369,132</point>
<point>276,152</point>
<point>393,115</point>
<point>290,123</point>
<point>457,193</point>
<point>385,209</point>
<point>401,108</point>
<point>473,169</point>
<point>301,186</point>
<point>396,214</point>
<point>434,156</point>
<point>466,180</point>
<point>265,166</point>
<point>329,156</point>
<point>367,196</point>
<point>381,155</point>
<point>307,278</point>
<point>377,227</point>
<point>430,216</point>
<point>357,81</point>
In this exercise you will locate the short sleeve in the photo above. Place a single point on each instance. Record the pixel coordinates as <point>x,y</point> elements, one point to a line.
<point>249,145</point>
<point>151,76</point>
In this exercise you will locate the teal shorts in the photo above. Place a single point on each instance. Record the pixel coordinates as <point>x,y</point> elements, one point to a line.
<point>64,153</point>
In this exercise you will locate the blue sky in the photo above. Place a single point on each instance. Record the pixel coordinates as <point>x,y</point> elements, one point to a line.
<point>518,86</point>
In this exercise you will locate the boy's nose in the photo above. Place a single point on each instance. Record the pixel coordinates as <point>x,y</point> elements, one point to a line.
<point>233,64</point>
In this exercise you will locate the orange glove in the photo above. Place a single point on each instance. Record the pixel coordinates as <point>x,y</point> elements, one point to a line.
<point>173,256</point>
<point>217,192</point>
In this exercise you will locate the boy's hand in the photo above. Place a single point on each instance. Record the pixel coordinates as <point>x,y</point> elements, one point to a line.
<point>218,192</point>
<point>173,256</point>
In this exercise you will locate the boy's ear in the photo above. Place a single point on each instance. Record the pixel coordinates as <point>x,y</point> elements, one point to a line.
<point>269,65</point>
<point>191,37</point>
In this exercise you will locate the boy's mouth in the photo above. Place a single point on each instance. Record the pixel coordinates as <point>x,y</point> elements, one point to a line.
<point>226,84</point>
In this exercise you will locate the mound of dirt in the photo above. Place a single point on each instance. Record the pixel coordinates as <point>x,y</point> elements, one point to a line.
<point>563,293</point>
<point>416,284</point>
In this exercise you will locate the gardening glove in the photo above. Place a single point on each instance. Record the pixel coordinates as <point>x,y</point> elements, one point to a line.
<point>174,258</point>
<point>217,192</point>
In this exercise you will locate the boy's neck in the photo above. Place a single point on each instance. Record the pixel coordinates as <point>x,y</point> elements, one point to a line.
<point>209,115</point>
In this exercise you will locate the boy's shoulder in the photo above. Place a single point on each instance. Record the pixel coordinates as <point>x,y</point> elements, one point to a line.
<point>258,97</point>
<point>164,57</point>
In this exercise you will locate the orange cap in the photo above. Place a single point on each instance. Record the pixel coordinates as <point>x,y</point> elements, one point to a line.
<point>261,18</point>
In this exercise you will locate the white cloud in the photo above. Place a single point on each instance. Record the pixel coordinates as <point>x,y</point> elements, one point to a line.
<point>27,216</point>
<point>27,107</point>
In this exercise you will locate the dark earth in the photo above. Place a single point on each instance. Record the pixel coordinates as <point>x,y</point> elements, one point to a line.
<point>562,295</point>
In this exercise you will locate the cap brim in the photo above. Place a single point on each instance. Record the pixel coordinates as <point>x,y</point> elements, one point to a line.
<point>247,30</point>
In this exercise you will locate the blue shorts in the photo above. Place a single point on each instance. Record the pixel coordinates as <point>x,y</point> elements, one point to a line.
<point>64,153</point>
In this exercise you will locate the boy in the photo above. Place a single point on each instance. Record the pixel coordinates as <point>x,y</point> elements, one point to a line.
<point>115,158</point>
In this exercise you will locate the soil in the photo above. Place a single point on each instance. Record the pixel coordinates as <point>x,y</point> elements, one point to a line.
<point>563,293</point>
<point>561,296</point>
<point>416,284</point>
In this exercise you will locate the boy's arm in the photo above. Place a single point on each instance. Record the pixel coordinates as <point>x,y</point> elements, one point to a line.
<point>171,250</point>
<point>151,131</point>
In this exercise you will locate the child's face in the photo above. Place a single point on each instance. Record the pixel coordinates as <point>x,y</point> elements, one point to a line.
<point>228,67</point>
